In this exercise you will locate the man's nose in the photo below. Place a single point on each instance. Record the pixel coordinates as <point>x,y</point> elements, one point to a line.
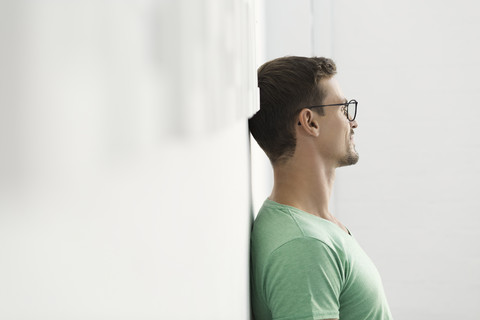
<point>353,124</point>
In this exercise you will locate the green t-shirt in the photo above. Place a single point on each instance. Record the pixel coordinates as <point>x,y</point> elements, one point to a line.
<point>305,267</point>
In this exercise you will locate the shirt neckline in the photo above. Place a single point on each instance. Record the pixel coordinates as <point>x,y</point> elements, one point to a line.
<point>274,203</point>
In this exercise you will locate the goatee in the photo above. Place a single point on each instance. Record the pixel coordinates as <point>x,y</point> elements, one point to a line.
<point>350,159</point>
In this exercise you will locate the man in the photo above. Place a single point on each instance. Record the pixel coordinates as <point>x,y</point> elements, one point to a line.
<point>305,263</point>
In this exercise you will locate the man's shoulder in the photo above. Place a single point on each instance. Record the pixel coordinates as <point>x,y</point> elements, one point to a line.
<point>273,226</point>
<point>277,224</point>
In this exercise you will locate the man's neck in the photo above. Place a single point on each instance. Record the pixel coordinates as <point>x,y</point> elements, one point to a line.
<point>306,186</point>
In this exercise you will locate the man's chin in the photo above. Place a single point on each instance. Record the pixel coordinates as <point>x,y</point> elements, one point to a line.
<point>350,159</point>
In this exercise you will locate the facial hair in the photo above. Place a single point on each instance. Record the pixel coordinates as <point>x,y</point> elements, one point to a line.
<point>352,155</point>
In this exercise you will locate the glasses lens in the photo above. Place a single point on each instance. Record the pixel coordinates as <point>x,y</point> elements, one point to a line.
<point>352,110</point>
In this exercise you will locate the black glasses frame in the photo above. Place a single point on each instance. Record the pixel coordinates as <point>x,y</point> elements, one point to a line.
<point>346,104</point>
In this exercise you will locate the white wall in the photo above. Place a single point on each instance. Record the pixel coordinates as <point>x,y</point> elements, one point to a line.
<point>411,201</point>
<point>414,68</point>
<point>124,159</point>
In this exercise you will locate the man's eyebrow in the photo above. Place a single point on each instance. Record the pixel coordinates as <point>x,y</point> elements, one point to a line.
<point>345,100</point>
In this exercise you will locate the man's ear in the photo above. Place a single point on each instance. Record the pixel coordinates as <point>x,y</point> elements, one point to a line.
<point>308,122</point>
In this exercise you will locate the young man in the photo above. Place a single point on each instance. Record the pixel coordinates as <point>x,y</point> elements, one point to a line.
<point>305,263</point>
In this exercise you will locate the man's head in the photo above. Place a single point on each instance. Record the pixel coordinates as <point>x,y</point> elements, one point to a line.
<point>330,135</point>
<point>287,85</point>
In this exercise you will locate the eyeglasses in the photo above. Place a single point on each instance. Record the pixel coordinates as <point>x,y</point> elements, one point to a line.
<point>349,108</point>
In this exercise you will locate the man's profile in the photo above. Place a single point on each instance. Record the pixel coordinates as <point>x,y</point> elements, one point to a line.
<point>305,264</point>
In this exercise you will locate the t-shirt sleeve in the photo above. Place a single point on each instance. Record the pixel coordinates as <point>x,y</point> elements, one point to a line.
<point>303,280</point>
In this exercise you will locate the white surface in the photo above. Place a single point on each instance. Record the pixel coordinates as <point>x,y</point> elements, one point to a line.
<point>124,159</point>
<point>412,198</point>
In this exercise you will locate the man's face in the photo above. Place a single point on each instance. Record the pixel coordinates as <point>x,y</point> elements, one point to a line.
<point>336,136</point>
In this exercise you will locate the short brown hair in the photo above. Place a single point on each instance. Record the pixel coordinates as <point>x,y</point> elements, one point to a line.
<point>287,85</point>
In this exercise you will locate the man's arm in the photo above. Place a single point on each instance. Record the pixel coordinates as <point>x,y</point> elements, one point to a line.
<point>303,277</point>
